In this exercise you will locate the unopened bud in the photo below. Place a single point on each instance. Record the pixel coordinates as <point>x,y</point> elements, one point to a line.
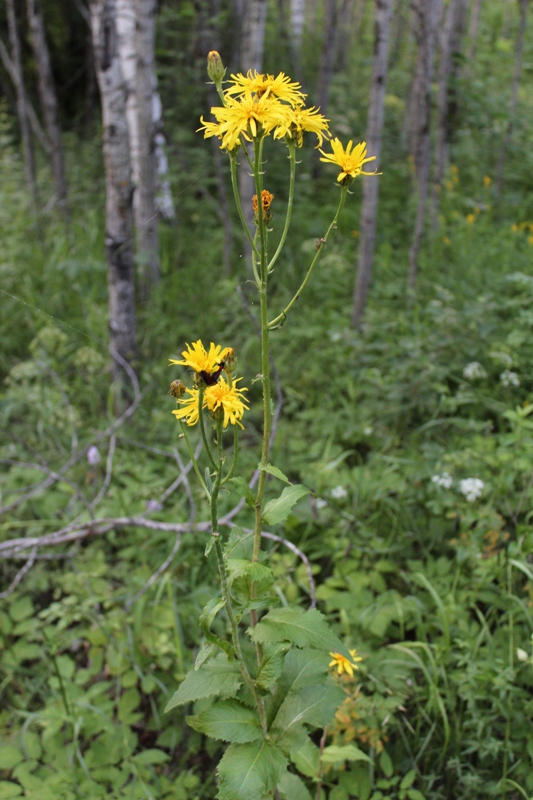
<point>177,389</point>
<point>230,360</point>
<point>215,67</point>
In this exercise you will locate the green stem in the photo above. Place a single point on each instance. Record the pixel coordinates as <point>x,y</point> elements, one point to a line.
<point>320,246</point>
<point>233,166</point>
<point>225,589</point>
<point>235,454</point>
<point>292,157</point>
<point>201,392</point>
<point>265,363</point>
<point>193,460</point>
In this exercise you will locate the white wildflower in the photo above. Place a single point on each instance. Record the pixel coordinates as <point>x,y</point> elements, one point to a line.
<point>471,488</point>
<point>339,493</point>
<point>320,503</point>
<point>509,378</point>
<point>445,480</point>
<point>521,654</point>
<point>474,370</point>
<point>369,430</point>
<point>93,455</point>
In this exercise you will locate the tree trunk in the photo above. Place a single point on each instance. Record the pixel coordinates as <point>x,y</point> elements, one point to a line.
<point>145,206</point>
<point>30,111</point>
<point>514,98</point>
<point>22,106</point>
<point>374,132</point>
<point>119,218</point>
<point>447,99</point>
<point>473,27</point>
<point>298,8</point>
<point>398,27</point>
<point>47,96</point>
<point>327,62</point>
<point>346,26</point>
<point>425,19</point>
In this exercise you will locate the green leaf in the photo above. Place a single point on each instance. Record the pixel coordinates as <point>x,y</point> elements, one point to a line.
<point>10,756</point>
<point>218,677</point>
<point>312,705</point>
<point>240,544</point>
<point>243,490</point>
<point>206,652</point>
<point>249,771</point>
<point>206,618</point>
<point>277,473</point>
<point>9,789</point>
<point>348,752</point>
<point>408,779</point>
<point>279,509</point>
<point>229,721</point>
<point>302,668</point>
<point>291,787</point>
<point>271,664</point>
<point>303,628</point>
<point>151,757</point>
<point>307,759</point>
<point>414,794</point>
<point>385,762</point>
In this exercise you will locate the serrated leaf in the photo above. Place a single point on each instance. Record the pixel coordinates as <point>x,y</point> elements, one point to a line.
<point>240,544</point>
<point>151,756</point>
<point>279,509</point>
<point>206,652</point>
<point>303,628</point>
<point>271,665</point>
<point>255,572</point>
<point>348,752</point>
<point>277,473</point>
<point>291,787</point>
<point>249,771</point>
<point>229,721</point>
<point>243,490</point>
<point>218,677</point>
<point>312,705</point>
<point>302,668</point>
<point>307,759</point>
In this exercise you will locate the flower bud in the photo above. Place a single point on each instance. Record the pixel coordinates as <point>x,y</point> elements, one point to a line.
<point>177,389</point>
<point>215,67</point>
<point>230,360</point>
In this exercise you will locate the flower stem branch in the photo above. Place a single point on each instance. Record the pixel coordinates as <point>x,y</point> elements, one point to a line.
<point>233,170</point>
<point>201,392</point>
<point>193,459</point>
<point>292,157</point>
<point>275,323</point>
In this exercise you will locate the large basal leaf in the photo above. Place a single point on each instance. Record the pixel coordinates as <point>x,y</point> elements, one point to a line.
<point>303,628</point>
<point>312,705</point>
<point>229,721</point>
<point>291,787</point>
<point>218,676</point>
<point>279,509</point>
<point>249,771</point>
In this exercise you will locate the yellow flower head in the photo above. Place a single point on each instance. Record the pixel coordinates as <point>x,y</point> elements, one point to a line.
<point>300,120</point>
<point>487,180</point>
<point>228,399</point>
<point>343,664</point>
<point>470,218</point>
<point>196,357</point>
<point>189,409</point>
<point>351,160</point>
<point>248,116</point>
<point>280,86</point>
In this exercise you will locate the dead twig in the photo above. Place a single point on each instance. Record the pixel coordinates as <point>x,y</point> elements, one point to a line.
<point>20,574</point>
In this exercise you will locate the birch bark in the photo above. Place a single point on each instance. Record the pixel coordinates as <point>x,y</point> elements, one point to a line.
<point>22,112</point>
<point>374,134</point>
<point>47,96</point>
<point>426,13</point>
<point>119,218</point>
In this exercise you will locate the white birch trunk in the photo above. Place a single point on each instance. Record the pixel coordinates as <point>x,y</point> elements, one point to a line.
<point>473,27</point>
<point>47,96</point>
<point>374,133</point>
<point>426,13</point>
<point>22,112</point>
<point>298,8</point>
<point>119,218</point>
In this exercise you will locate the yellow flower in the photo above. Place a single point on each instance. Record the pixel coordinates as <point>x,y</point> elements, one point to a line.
<point>446,240</point>
<point>344,664</point>
<point>196,357</point>
<point>228,399</point>
<point>470,218</point>
<point>247,115</point>
<point>351,160</point>
<point>300,120</point>
<point>280,86</point>
<point>487,180</point>
<point>189,410</point>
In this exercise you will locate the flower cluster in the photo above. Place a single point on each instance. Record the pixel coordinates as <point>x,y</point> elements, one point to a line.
<point>473,371</point>
<point>219,396</point>
<point>471,488</point>
<point>509,378</point>
<point>445,480</point>
<point>257,105</point>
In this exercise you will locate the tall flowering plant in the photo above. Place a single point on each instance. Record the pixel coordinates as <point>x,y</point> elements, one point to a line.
<point>268,676</point>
